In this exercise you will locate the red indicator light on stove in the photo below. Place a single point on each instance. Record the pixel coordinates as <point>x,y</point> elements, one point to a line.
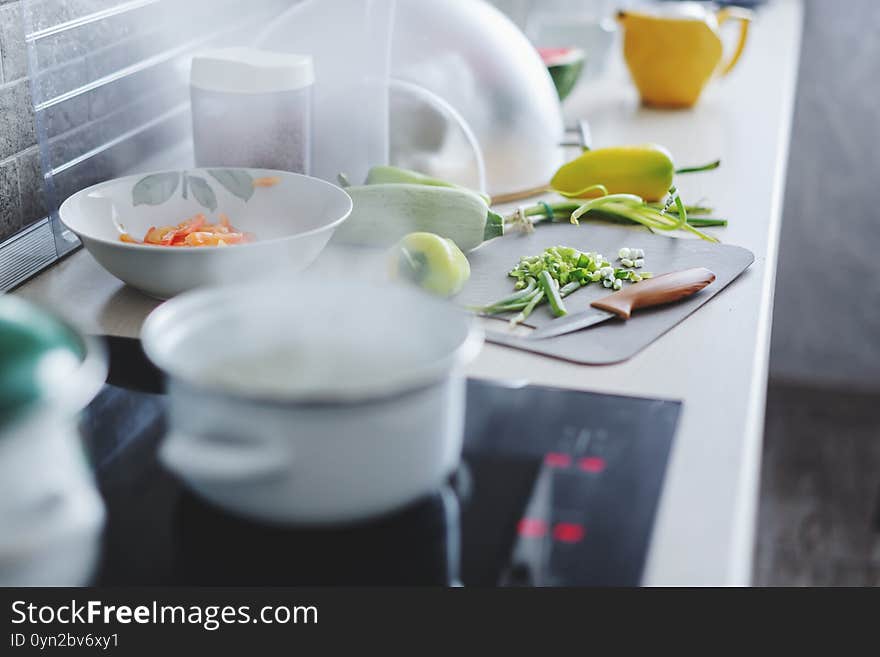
<point>568,532</point>
<point>591,464</point>
<point>557,460</point>
<point>531,528</point>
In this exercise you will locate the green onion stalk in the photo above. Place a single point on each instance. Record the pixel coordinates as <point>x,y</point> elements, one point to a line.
<point>671,214</point>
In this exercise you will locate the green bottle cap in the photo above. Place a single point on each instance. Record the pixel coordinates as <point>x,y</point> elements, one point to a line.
<point>38,355</point>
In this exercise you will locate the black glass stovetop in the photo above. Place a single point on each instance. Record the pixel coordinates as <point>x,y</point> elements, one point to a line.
<point>556,487</point>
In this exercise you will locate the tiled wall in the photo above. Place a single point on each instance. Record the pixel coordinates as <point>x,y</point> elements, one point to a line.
<point>21,196</point>
<point>107,88</point>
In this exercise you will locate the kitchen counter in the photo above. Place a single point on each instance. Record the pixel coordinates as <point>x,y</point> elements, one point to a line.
<point>716,361</point>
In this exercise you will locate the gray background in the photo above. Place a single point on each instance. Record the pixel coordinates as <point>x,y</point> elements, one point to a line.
<point>826,326</point>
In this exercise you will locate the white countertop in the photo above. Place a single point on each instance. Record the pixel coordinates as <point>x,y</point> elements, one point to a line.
<point>716,361</point>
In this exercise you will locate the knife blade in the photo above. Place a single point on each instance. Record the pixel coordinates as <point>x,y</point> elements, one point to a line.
<point>662,290</point>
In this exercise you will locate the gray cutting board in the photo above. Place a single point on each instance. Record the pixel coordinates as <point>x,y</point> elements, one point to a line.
<point>614,340</point>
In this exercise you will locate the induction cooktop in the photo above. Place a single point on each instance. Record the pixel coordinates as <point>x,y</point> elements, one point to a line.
<point>556,488</point>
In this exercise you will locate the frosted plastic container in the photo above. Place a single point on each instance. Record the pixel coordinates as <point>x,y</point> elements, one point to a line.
<point>350,42</point>
<point>252,108</point>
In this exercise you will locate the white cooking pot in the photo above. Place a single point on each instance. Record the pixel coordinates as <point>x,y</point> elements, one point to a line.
<point>325,407</point>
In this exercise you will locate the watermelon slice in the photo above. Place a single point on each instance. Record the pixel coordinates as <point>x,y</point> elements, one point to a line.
<point>565,66</point>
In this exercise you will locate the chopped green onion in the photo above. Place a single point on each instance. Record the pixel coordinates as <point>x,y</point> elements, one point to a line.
<point>551,290</point>
<point>553,275</point>
<point>524,315</point>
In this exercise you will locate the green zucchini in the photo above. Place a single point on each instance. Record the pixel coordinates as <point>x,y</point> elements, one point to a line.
<point>387,174</point>
<point>385,213</point>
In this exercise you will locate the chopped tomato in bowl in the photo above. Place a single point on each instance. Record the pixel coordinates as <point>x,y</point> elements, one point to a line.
<point>195,231</point>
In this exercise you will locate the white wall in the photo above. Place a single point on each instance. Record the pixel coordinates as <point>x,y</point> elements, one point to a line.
<point>826,328</point>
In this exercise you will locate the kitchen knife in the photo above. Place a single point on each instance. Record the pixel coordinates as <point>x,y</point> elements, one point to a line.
<point>664,289</point>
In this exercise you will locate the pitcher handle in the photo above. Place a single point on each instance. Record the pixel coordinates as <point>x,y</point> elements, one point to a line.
<point>745,17</point>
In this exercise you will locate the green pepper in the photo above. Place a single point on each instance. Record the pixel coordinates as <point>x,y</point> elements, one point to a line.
<point>432,262</point>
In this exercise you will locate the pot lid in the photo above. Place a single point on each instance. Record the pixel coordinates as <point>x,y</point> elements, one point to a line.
<point>38,354</point>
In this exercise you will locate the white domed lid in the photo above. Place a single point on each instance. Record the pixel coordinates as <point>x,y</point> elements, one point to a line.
<point>251,71</point>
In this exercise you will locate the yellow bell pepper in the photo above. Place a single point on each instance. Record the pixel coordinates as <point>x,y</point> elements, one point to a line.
<point>646,170</point>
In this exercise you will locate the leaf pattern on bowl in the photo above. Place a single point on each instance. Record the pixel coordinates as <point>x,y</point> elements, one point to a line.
<point>157,188</point>
<point>237,182</point>
<point>202,192</point>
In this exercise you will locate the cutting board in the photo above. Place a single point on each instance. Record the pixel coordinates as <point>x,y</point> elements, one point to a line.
<point>614,340</point>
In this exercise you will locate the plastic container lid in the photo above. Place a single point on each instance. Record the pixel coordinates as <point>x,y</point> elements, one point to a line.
<point>251,71</point>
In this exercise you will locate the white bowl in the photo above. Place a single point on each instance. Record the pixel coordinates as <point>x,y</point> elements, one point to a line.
<point>293,220</point>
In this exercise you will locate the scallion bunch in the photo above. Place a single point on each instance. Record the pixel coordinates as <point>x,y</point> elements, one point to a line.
<point>556,273</point>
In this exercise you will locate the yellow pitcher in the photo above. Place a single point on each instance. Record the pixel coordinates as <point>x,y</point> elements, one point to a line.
<point>673,52</point>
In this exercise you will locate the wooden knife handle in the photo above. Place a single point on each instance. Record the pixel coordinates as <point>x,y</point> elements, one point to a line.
<point>656,291</point>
